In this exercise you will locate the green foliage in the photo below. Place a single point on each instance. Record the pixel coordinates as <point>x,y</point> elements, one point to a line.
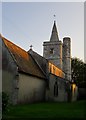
<point>78,70</point>
<point>5,102</point>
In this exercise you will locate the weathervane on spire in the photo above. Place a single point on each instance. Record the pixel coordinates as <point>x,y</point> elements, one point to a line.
<point>54,17</point>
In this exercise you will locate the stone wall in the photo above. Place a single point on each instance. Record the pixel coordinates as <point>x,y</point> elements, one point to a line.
<point>9,75</point>
<point>31,89</point>
<point>74,90</point>
<point>62,93</point>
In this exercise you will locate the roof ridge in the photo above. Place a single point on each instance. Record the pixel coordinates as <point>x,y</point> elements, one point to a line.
<point>37,54</point>
<point>12,43</point>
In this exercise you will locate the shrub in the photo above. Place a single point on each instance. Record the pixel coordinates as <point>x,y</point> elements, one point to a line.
<point>5,102</point>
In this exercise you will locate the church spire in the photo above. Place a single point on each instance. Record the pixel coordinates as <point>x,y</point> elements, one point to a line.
<point>54,34</point>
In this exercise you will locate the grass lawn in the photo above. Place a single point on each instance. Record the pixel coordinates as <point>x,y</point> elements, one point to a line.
<point>47,110</point>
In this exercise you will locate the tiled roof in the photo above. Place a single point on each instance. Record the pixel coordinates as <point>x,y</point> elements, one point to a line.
<point>23,60</point>
<point>41,61</point>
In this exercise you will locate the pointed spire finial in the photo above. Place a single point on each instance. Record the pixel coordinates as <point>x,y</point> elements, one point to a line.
<point>54,34</point>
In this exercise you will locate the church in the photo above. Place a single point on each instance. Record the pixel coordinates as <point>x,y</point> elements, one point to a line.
<point>28,77</point>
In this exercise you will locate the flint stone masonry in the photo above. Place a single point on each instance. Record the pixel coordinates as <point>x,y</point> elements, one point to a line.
<point>67,57</point>
<point>62,93</point>
<point>56,56</point>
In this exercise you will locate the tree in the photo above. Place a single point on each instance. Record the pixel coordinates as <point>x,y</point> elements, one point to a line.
<point>78,68</point>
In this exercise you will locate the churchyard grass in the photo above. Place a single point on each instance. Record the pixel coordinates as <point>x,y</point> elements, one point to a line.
<point>47,110</point>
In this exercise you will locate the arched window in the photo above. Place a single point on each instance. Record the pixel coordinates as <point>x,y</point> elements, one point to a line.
<point>51,50</point>
<point>56,89</point>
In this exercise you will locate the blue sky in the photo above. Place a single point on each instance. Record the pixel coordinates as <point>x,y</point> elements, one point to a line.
<point>30,23</point>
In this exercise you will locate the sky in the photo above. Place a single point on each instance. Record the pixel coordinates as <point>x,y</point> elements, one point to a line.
<point>30,23</point>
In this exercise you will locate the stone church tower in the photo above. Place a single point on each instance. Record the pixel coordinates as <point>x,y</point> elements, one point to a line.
<point>59,53</point>
<point>53,48</point>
